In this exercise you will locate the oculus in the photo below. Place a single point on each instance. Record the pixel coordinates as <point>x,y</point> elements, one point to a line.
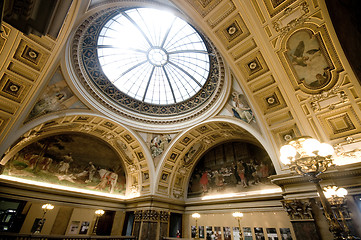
<point>153,56</point>
<point>147,61</point>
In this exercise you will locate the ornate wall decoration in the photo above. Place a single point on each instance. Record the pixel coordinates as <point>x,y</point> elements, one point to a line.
<point>190,155</point>
<point>13,88</point>
<point>276,6</point>
<point>233,31</point>
<point>328,99</point>
<point>298,209</point>
<point>253,66</point>
<point>310,59</point>
<point>203,7</point>
<point>291,18</point>
<point>340,122</point>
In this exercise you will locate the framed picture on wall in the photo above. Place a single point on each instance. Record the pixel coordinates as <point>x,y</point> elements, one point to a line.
<point>272,234</point>
<point>209,232</point>
<point>258,233</point>
<point>37,225</point>
<point>84,227</point>
<point>285,234</point>
<point>247,231</point>
<point>227,233</point>
<point>235,233</point>
<point>193,231</point>
<point>74,227</point>
<point>217,233</point>
<point>201,231</point>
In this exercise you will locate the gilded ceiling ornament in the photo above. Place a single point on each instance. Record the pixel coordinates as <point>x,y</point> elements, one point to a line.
<point>328,99</point>
<point>298,15</point>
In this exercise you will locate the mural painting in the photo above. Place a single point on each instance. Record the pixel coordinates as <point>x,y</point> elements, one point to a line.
<point>57,96</point>
<point>231,168</point>
<point>73,160</point>
<point>308,59</point>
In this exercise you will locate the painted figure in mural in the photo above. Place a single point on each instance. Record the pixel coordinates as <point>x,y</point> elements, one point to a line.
<point>158,144</point>
<point>46,163</point>
<point>31,158</point>
<point>92,171</point>
<point>64,165</point>
<point>219,180</point>
<point>48,104</point>
<point>204,181</point>
<point>241,172</point>
<point>87,174</point>
<point>107,179</point>
<point>240,110</point>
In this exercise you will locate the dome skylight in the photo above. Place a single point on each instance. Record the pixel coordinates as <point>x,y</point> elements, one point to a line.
<point>153,56</point>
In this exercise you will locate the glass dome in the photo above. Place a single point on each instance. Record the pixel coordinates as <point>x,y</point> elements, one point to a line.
<point>153,56</point>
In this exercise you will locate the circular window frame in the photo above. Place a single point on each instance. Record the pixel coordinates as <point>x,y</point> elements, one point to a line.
<point>83,53</point>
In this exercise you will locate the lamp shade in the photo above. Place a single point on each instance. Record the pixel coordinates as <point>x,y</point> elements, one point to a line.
<point>196,215</point>
<point>325,150</point>
<point>311,146</point>
<point>99,212</point>
<point>237,214</point>
<point>47,206</point>
<point>288,151</point>
<point>341,192</point>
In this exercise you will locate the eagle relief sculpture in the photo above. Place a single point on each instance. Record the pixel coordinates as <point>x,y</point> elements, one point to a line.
<point>308,59</point>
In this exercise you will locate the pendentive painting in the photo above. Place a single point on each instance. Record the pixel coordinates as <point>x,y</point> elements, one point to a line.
<point>72,160</point>
<point>234,167</point>
<point>308,59</point>
<point>57,96</point>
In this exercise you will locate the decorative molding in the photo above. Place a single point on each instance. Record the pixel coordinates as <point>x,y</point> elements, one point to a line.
<point>328,99</point>
<point>292,17</point>
<point>298,209</point>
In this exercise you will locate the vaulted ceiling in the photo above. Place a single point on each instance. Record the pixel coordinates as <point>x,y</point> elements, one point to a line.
<point>282,55</point>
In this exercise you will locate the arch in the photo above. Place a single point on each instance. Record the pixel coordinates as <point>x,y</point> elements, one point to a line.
<point>126,143</point>
<point>182,156</point>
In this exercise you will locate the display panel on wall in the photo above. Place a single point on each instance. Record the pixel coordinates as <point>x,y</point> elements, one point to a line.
<point>272,234</point>
<point>236,233</point>
<point>258,233</point>
<point>232,167</point>
<point>73,160</point>
<point>247,233</point>
<point>285,234</point>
